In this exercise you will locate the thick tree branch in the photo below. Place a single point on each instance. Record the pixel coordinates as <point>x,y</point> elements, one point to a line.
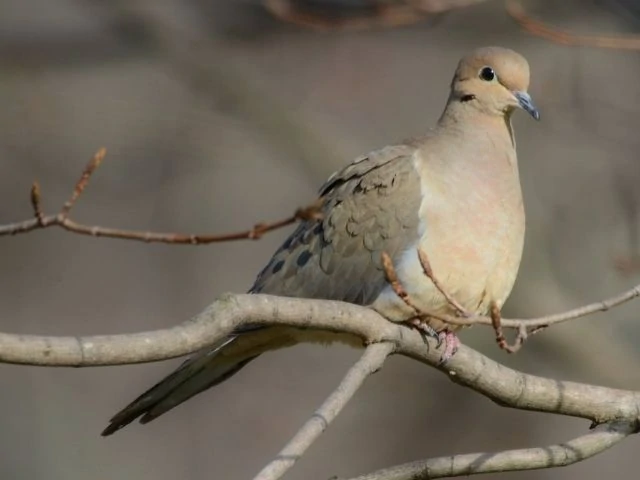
<point>503,385</point>
<point>560,455</point>
<point>370,362</point>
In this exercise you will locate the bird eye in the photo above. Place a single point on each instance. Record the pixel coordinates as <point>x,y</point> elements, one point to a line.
<point>487,74</point>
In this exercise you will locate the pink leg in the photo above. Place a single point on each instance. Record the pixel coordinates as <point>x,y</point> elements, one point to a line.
<point>451,344</point>
<point>450,339</point>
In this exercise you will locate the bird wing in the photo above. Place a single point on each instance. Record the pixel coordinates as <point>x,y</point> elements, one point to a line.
<point>368,207</point>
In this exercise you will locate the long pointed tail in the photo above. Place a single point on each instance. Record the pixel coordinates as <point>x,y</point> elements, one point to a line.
<point>203,370</point>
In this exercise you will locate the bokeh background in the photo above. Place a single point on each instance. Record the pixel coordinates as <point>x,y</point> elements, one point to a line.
<point>218,114</point>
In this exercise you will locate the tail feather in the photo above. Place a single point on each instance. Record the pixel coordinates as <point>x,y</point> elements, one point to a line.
<point>196,374</point>
<point>193,387</point>
<point>203,370</point>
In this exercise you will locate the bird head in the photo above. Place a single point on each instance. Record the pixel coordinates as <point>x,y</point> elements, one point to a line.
<point>494,80</point>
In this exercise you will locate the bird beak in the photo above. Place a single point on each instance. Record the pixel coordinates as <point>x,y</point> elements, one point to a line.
<point>525,102</point>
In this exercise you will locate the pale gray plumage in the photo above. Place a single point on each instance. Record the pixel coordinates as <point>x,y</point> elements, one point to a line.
<point>454,193</point>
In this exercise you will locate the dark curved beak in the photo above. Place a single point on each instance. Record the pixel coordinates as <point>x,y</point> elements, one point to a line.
<point>524,99</point>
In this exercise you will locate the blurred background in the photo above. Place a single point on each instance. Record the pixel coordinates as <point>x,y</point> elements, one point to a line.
<point>218,114</point>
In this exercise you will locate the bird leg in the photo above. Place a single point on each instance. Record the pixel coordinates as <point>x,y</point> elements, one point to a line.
<point>392,278</point>
<point>420,320</point>
<point>450,339</point>
<point>428,271</point>
<point>496,321</point>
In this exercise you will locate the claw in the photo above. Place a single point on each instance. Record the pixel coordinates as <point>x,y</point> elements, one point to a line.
<point>450,339</point>
<point>424,328</point>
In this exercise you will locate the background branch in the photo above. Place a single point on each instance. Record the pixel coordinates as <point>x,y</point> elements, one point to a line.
<point>63,221</point>
<point>539,29</point>
<point>370,362</point>
<point>560,455</point>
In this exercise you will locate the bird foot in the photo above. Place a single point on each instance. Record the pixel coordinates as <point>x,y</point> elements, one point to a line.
<point>424,328</point>
<point>450,339</point>
<point>451,345</point>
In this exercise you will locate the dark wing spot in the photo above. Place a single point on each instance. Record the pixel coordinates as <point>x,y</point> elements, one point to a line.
<point>277,267</point>
<point>303,258</point>
<point>287,243</point>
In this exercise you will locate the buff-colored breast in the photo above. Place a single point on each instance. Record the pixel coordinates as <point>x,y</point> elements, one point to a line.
<point>471,227</point>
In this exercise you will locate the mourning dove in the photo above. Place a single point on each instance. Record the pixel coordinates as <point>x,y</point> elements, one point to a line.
<point>453,193</point>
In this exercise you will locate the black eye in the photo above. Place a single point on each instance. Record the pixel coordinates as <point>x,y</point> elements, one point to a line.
<point>487,74</point>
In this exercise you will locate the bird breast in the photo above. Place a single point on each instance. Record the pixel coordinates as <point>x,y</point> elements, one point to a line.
<point>472,230</point>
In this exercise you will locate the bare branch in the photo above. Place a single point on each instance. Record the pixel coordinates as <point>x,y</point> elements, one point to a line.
<point>504,386</point>
<point>215,322</point>
<point>560,455</point>
<point>62,220</point>
<point>548,320</point>
<point>539,29</point>
<point>469,368</point>
<point>91,167</point>
<point>370,15</point>
<point>601,306</point>
<point>370,362</point>
<point>383,16</point>
<point>35,203</point>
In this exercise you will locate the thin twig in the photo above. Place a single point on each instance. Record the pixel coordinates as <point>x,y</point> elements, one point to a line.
<point>35,203</point>
<point>539,323</point>
<point>62,220</point>
<point>539,29</point>
<point>370,362</point>
<point>82,182</point>
<point>559,455</point>
<point>602,306</point>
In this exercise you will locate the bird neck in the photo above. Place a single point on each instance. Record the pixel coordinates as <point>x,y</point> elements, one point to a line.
<point>464,116</point>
